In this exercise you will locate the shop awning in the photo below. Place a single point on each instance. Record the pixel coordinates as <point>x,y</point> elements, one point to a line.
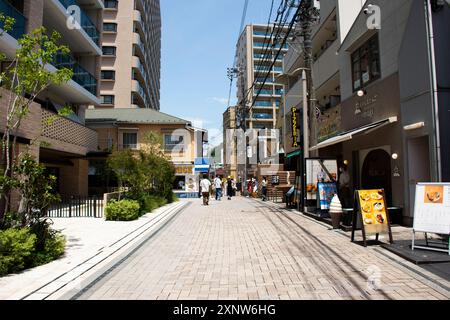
<point>350,134</point>
<point>293,154</point>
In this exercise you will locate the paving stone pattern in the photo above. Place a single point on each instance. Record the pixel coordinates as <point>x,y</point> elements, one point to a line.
<point>243,249</point>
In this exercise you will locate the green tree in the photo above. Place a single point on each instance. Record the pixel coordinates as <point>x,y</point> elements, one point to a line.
<point>143,172</point>
<point>25,76</point>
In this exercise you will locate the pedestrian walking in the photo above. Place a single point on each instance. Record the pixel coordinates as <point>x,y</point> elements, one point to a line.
<point>229,188</point>
<point>205,186</point>
<point>249,188</point>
<point>264,188</point>
<point>218,186</point>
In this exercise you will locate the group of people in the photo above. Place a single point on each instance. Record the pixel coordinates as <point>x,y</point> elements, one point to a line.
<point>253,188</point>
<point>218,187</point>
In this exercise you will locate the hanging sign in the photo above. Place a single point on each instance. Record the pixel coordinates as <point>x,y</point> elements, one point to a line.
<point>295,113</point>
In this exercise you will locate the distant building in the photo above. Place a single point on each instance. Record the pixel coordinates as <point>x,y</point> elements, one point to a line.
<point>121,129</point>
<point>131,62</point>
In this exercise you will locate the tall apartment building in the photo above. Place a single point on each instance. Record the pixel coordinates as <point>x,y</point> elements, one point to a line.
<point>256,51</point>
<point>68,140</point>
<point>131,64</point>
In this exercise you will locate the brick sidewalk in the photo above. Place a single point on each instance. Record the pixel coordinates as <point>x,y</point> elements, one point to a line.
<point>245,249</point>
<point>89,242</point>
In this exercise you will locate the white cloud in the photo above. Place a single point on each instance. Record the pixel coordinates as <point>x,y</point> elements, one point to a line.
<point>223,101</point>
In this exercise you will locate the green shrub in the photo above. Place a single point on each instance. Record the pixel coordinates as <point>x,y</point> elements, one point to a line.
<point>17,247</point>
<point>54,244</point>
<point>151,202</point>
<point>123,210</point>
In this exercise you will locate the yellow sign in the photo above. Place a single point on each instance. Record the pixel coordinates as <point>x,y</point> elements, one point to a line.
<point>184,169</point>
<point>373,211</point>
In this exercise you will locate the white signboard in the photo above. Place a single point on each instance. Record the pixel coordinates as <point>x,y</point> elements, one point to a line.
<point>432,208</point>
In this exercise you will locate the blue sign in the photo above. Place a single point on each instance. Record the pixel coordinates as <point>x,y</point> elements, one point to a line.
<point>201,161</point>
<point>327,190</point>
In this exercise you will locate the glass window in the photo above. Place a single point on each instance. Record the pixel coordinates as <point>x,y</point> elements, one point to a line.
<point>111,4</point>
<point>109,51</point>
<point>108,74</point>
<point>110,26</point>
<point>129,140</point>
<point>172,142</point>
<point>366,63</point>
<point>107,99</point>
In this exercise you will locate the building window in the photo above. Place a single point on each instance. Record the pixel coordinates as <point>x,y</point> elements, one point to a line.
<point>173,142</point>
<point>110,27</point>
<point>108,75</point>
<point>366,64</point>
<point>108,99</point>
<point>111,4</point>
<point>109,51</point>
<point>129,140</point>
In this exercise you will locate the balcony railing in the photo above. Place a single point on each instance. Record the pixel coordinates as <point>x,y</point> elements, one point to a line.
<point>19,27</point>
<point>80,75</point>
<point>264,116</point>
<point>86,23</point>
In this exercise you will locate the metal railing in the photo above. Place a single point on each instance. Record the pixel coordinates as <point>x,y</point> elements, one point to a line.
<point>19,27</point>
<point>80,75</point>
<point>77,207</point>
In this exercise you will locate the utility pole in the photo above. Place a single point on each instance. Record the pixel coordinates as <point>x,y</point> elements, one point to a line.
<point>308,15</point>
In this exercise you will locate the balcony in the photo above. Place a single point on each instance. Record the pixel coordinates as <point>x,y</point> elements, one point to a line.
<point>19,28</point>
<point>85,39</point>
<point>86,23</point>
<point>80,75</point>
<point>67,136</point>
<point>140,92</point>
<point>262,116</point>
<point>326,65</point>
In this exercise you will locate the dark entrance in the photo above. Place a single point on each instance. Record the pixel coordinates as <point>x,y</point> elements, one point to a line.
<point>376,173</point>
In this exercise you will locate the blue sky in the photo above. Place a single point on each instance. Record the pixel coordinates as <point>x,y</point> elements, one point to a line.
<point>198,45</point>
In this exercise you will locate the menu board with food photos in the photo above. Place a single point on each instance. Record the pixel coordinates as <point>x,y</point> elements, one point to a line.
<point>432,208</point>
<point>374,213</point>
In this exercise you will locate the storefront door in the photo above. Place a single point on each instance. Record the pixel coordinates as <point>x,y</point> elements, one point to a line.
<point>376,172</point>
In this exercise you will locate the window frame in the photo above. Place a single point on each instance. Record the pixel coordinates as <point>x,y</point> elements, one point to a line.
<point>114,48</point>
<point>112,72</point>
<point>365,53</point>
<point>102,97</point>
<point>112,24</point>
<point>130,146</point>
<point>181,146</point>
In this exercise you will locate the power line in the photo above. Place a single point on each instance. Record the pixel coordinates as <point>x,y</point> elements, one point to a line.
<point>232,72</point>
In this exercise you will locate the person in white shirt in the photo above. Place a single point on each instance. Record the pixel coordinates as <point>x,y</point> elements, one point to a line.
<point>218,186</point>
<point>205,186</point>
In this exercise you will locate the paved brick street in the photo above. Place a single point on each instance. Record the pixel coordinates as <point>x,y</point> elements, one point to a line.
<point>245,249</point>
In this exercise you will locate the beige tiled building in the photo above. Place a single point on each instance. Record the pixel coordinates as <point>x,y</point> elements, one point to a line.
<point>68,140</point>
<point>122,129</point>
<point>131,54</point>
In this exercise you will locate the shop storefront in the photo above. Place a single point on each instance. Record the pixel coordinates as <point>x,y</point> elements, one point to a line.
<point>371,141</point>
